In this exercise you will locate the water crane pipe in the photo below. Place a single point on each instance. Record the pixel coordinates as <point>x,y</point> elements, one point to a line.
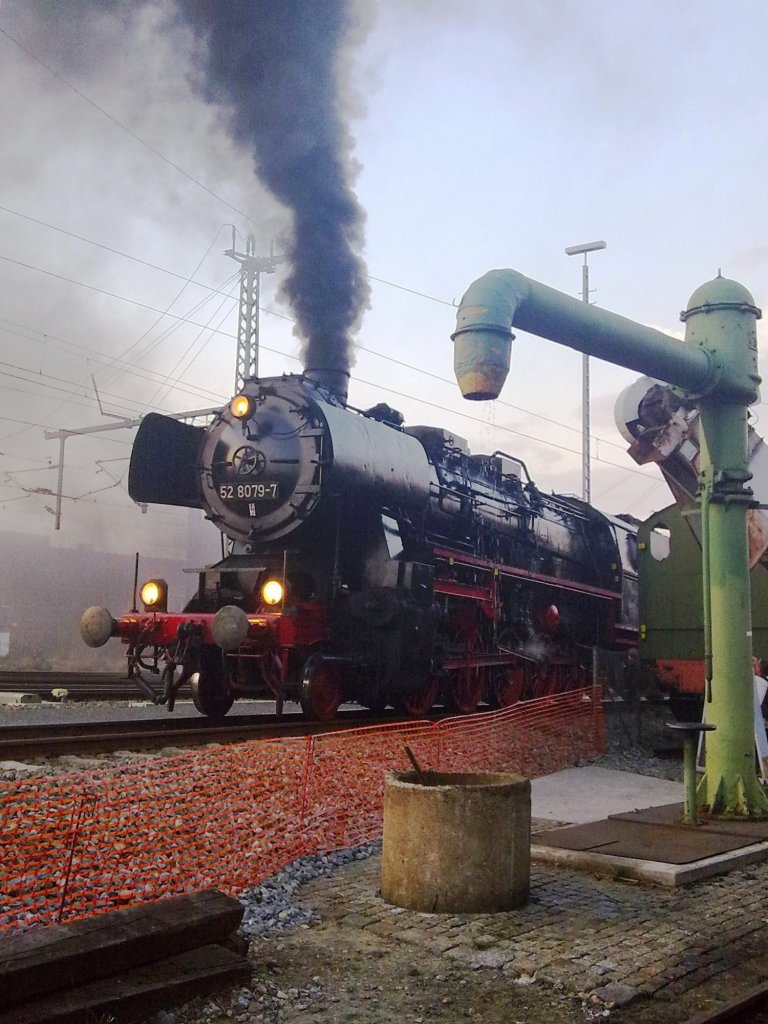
<point>503,299</point>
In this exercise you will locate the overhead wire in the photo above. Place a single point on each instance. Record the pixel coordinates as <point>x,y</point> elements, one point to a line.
<point>108,248</point>
<point>360,347</point>
<point>169,387</point>
<point>187,282</point>
<point>211,192</point>
<point>162,313</point>
<point>41,380</point>
<point>116,121</point>
<point>178,322</point>
<point>267,348</point>
<point>91,354</point>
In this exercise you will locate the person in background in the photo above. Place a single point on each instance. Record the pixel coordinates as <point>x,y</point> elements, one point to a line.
<point>760,686</point>
<point>759,680</point>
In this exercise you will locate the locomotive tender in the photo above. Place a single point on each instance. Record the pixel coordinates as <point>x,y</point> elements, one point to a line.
<point>368,562</point>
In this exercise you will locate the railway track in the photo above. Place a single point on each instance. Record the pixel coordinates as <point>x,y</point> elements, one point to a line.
<point>80,686</point>
<point>18,742</point>
<point>750,1006</point>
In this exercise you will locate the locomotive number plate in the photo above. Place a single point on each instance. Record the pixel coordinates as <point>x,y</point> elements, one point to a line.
<point>262,491</point>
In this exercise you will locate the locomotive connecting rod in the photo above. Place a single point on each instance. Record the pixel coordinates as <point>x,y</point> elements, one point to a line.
<point>716,366</point>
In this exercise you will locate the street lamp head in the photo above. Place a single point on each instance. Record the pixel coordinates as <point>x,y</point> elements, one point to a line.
<point>574,250</point>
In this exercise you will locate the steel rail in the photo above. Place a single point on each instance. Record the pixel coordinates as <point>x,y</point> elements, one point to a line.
<point>743,1008</point>
<point>40,740</point>
<point>79,685</point>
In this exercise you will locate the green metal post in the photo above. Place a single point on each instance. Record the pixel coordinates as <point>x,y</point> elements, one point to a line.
<point>721,317</point>
<point>689,777</point>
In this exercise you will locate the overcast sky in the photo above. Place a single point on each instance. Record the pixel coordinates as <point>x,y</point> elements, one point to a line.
<point>487,133</point>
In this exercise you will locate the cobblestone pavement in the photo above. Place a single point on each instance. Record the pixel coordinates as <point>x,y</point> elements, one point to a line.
<point>598,939</point>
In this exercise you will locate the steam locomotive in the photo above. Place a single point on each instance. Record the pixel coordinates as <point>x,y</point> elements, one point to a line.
<point>367,562</point>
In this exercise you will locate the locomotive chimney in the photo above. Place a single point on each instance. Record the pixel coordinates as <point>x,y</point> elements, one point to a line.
<point>334,380</point>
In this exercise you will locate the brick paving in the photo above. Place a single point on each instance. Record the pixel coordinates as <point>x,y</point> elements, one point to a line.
<point>588,936</point>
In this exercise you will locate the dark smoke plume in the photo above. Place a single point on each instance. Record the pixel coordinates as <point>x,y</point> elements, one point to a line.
<point>273,65</point>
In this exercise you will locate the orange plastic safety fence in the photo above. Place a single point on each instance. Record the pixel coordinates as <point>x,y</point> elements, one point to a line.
<point>77,844</point>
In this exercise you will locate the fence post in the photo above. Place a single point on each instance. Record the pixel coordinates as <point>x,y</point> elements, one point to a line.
<point>77,816</point>
<point>309,753</point>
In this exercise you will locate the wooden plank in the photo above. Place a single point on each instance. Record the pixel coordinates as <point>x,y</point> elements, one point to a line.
<point>58,957</point>
<point>133,995</point>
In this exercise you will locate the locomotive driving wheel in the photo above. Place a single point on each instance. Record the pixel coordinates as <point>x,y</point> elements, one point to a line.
<point>211,693</point>
<point>418,702</point>
<point>322,689</point>
<point>465,684</point>
<point>464,688</point>
<point>546,681</point>
<point>505,687</point>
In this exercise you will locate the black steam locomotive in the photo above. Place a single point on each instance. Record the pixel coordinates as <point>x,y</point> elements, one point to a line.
<point>368,562</point>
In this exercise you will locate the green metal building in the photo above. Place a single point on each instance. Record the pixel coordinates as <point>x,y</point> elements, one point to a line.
<point>670,601</point>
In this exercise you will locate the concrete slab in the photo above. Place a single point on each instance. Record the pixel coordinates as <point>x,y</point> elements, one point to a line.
<point>639,870</point>
<point>20,698</point>
<point>592,794</point>
<point>579,795</point>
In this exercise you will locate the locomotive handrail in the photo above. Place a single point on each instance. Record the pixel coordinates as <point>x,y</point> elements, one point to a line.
<point>535,577</point>
<point>439,489</point>
<point>513,458</point>
<point>530,509</point>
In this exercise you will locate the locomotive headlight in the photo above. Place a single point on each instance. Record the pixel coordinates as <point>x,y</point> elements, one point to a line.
<point>154,596</point>
<point>241,407</point>
<point>272,592</point>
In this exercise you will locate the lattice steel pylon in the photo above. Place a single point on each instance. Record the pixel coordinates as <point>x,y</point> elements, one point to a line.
<point>251,269</point>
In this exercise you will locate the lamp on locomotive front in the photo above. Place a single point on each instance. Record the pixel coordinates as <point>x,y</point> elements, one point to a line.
<point>272,592</point>
<point>241,407</point>
<point>154,596</point>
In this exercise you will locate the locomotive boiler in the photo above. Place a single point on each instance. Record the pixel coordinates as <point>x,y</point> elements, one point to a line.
<point>367,562</point>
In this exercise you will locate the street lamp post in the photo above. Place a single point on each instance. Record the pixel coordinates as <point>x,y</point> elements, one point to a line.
<point>575,250</point>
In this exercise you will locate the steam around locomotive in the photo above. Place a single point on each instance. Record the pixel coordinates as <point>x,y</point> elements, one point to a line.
<point>367,562</point>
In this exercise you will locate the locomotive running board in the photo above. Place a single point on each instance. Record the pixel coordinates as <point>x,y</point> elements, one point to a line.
<point>458,558</point>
